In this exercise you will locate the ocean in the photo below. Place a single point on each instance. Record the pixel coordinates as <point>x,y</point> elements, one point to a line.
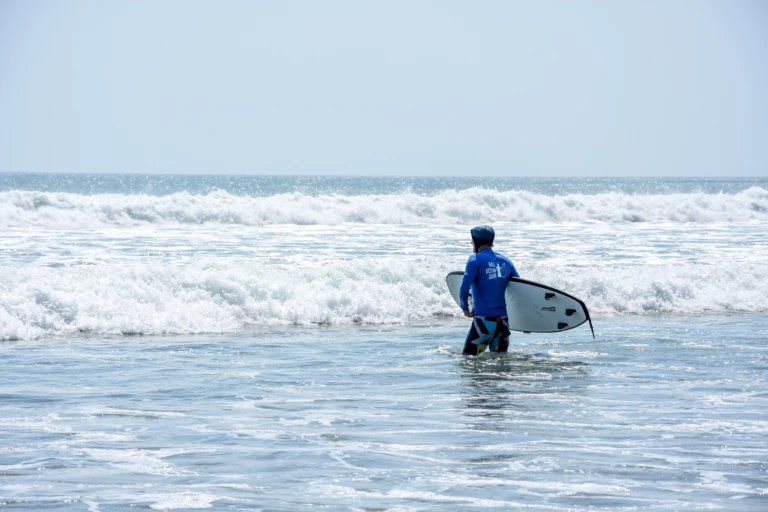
<point>288,343</point>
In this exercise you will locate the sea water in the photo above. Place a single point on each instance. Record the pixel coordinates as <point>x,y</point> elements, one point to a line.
<point>273,343</point>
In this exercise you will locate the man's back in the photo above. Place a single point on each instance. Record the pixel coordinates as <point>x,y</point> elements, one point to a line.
<point>487,274</point>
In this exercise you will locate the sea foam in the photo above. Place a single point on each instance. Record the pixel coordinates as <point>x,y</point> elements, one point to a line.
<point>218,297</point>
<point>60,209</point>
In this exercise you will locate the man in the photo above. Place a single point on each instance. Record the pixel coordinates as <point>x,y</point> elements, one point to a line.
<point>487,274</point>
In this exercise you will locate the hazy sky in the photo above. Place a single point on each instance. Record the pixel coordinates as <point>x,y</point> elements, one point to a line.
<point>585,88</point>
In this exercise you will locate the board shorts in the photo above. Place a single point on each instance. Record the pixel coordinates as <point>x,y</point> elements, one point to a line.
<point>490,332</point>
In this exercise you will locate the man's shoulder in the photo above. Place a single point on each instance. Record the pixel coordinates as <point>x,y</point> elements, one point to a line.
<point>487,256</point>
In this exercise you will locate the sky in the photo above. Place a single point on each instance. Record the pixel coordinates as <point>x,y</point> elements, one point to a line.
<point>485,88</point>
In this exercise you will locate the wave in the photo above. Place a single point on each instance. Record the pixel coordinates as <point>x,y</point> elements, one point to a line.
<point>218,297</point>
<point>474,205</point>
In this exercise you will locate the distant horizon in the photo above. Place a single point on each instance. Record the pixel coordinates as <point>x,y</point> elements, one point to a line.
<point>420,176</point>
<point>391,175</point>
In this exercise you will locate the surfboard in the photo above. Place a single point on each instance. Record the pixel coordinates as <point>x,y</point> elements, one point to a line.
<point>534,307</point>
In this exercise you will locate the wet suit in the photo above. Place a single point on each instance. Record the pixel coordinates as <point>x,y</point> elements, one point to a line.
<point>487,274</point>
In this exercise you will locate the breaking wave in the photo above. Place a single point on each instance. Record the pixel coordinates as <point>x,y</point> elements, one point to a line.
<point>60,209</point>
<point>220,297</point>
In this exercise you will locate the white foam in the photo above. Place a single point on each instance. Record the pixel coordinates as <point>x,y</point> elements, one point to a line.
<point>173,501</point>
<point>138,460</point>
<point>226,296</point>
<point>428,497</point>
<point>680,289</point>
<point>89,437</point>
<point>473,205</point>
<point>139,413</point>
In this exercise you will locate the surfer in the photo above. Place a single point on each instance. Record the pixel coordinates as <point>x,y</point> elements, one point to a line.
<point>487,274</point>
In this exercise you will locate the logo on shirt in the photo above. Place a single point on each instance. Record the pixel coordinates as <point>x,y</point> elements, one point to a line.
<point>495,270</point>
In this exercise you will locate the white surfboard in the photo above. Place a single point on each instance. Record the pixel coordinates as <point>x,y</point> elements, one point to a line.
<point>534,307</point>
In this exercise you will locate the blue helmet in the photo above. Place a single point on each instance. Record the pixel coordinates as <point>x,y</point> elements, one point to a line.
<point>483,235</point>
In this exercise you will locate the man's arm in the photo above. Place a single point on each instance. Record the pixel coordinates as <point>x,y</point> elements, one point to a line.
<point>514,270</point>
<point>469,276</point>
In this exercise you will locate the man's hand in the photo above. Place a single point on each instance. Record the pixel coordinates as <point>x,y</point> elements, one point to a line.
<point>469,314</point>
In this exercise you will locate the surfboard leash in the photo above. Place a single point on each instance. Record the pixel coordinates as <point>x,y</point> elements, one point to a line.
<point>589,319</point>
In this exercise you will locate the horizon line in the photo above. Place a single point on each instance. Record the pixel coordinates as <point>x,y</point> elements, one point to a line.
<point>81,173</point>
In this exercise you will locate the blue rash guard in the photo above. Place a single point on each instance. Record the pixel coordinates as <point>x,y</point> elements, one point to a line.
<point>487,273</point>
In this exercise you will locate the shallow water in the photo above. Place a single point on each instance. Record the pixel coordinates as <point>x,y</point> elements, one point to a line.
<point>672,415</point>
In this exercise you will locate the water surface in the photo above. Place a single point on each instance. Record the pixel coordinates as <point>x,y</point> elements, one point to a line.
<point>672,415</point>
